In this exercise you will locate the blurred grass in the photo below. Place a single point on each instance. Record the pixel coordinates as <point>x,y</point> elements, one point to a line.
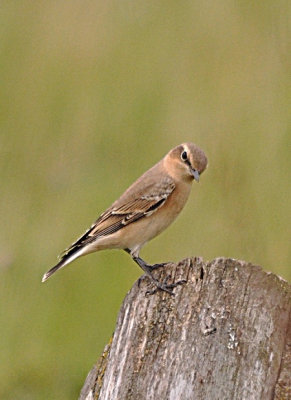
<point>93,94</point>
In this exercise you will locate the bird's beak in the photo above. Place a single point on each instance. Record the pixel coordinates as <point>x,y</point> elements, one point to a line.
<point>196,174</point>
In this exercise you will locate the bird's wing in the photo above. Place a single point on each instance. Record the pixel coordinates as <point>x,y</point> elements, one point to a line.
<point>125,212</point>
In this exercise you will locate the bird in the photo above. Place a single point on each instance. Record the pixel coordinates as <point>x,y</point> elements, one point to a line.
<point>143,211</point>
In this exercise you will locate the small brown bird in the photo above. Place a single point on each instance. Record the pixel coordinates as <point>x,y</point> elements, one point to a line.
<point>144,210</point>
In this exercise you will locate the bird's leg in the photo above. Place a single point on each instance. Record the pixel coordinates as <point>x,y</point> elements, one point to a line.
<point>148,270</point>
<point>150,267</point>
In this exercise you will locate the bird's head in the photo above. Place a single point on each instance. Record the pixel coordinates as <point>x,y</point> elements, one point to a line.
<point>186,161</point>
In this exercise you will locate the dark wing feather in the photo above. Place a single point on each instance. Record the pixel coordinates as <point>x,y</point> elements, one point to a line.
<point>120,215</point>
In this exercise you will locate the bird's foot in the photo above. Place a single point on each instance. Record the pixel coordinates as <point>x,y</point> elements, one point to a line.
<point>164,286</point>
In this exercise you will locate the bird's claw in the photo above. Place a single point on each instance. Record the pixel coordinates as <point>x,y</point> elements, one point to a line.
<point>165,286</point>
<point>156,266</point>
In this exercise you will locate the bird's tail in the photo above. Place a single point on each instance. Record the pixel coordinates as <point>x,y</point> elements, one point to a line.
<point>69,255</point>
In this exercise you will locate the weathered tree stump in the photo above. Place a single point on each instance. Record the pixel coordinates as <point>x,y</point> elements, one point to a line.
<point>225,335</point>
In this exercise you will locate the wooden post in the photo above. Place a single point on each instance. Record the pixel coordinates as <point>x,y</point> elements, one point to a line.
<point>225,335</point>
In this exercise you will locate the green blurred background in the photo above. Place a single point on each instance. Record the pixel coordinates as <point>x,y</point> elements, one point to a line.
<point>92,95</point>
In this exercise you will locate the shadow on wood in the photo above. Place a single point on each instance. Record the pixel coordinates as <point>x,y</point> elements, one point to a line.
<point>226,334</point>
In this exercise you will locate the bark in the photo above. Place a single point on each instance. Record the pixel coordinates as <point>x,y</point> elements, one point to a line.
<point>226,334</point>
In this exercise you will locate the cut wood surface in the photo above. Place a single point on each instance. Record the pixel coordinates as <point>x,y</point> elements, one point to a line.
<point>225,335</point>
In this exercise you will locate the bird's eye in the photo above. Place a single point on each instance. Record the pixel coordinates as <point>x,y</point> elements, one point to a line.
<point>184,156</point>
